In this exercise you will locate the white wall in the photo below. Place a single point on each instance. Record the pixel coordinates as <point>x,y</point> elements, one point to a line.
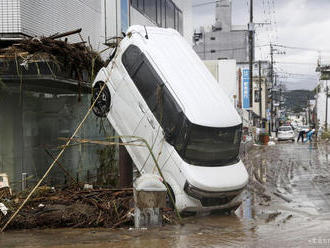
<point>224,72</point>
<point>321,103</point>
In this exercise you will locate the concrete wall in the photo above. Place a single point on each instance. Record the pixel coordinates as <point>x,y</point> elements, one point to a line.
<point>33,123</point>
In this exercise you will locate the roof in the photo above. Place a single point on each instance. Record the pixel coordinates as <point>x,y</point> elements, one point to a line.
<point>202,99</point>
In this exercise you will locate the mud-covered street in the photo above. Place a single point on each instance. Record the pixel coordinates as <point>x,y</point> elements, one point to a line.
<point>287,204</point>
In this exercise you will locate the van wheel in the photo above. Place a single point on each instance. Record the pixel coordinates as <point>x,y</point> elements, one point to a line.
<point>102,105</point>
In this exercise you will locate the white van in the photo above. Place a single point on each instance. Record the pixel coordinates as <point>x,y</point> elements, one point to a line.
<point>159,89</point>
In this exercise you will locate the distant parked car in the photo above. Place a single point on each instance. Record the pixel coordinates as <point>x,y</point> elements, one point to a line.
<point>285,133</point>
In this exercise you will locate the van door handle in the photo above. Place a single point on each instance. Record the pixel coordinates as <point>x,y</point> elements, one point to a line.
<point>141,108</point>
<point>151,121</point>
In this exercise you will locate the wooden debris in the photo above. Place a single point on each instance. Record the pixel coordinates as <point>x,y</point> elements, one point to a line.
<point>73,207</point>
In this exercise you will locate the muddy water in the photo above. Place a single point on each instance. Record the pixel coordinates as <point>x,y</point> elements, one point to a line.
<point>299,173</point>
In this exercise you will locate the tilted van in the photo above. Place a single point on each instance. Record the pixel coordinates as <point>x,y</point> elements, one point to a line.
<point>158,88</point>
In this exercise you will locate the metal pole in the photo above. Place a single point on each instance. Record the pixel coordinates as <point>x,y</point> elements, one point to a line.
<point>260,96</point>
<point>326,107</point>
<point>251,52</point>
<point>272,81</point>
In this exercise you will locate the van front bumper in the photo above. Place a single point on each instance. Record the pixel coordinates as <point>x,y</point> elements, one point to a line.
<point>209,199</point>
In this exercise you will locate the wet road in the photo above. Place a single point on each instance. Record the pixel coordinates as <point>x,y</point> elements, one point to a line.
<point>287,204</point>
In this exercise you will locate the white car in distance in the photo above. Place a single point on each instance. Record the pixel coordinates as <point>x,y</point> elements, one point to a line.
<point>285,133</point>
<point>157,88</point>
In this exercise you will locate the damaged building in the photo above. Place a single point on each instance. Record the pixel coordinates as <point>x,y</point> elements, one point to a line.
<point>45,93</point>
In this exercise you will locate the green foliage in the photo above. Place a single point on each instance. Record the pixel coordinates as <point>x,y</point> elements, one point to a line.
<point>325,135</point>
<point>296,100</point>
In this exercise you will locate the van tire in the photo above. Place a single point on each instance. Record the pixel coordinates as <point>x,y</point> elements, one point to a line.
<point>102,105</point>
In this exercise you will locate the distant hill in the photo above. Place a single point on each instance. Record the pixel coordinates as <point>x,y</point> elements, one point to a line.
<point>296,100</point>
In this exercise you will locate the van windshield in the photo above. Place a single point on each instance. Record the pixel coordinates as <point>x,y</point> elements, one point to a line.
<point>209,146</point>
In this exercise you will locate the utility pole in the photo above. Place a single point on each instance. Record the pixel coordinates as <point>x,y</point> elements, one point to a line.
<point>260,96</point>
<point>272,81</point>
<point>326,107</point>
<point>251,51</point>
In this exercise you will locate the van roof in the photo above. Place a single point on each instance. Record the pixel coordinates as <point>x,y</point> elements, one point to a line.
<point>201,97</point>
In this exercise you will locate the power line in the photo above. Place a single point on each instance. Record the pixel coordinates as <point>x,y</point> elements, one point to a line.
<point>294,63</point>
<point>302,48</point>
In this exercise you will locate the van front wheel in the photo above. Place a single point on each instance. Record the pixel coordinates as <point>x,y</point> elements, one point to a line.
<point>102,104</point>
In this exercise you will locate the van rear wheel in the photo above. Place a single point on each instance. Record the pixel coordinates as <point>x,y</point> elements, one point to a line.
<point>102,104</point>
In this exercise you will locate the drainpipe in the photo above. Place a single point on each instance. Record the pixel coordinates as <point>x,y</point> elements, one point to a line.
<point>105,21</point>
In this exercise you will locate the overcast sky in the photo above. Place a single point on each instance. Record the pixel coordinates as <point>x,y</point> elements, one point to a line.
<point>294,23</point>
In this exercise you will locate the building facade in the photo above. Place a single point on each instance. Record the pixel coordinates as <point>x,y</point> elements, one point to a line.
<point>31,121</point>
<point>223,40</point>
<point>99,19</point>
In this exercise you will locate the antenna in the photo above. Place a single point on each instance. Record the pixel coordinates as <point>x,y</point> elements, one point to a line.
<point>147,37</point>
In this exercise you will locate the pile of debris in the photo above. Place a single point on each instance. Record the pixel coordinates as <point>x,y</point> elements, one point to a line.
<point>73,207</point>
<point>77,58</point>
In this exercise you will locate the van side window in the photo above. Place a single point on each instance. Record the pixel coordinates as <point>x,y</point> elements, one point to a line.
<point>130,59</point>
<point>168,114</point>
<point>153,90</point>
<point>147,80</point>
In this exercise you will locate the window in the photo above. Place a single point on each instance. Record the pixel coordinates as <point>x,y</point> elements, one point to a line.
<point>134,3</point>
<point>153,90</point>
<point>164,13</point>
<point>177,19</point>
<point>209,146</point>
<point>256,96</point>
<point>197,145</point>
<point>169,115</point>
<point>140,4</point>
<point>150,9</point>
<point>180,22</point>
<point>143,75</point>
<point>159,12</point>
<point>130,59</point>
<point>212,51</point>
<point>285,129</point>
<point>163,5</point>
<point>170,18</point>
<point>212,38</point>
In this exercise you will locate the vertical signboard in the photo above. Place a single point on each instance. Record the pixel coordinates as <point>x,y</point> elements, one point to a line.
<point>246,89</point>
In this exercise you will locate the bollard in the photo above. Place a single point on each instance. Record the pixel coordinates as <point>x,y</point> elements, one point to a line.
<point>149,198</point>
<point>24,180</point>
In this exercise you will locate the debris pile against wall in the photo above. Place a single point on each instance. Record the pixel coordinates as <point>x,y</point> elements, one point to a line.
<point>73,207</point>
<point>77,58</point>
